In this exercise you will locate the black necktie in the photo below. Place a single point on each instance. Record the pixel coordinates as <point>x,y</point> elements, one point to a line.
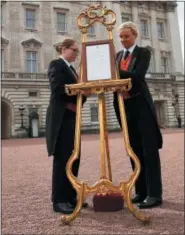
<point>126,54</point>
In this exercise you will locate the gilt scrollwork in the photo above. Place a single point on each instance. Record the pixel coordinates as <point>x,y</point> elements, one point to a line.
<point>98,87</point>
<point>94,14</point>
<point>104,190</point>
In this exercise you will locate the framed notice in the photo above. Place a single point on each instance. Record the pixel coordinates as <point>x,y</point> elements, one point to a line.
<point>98,60</point>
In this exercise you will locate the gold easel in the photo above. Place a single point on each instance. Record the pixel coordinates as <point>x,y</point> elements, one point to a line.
<point>104,185</point>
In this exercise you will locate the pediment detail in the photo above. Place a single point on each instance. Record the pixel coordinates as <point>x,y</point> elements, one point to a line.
<point>32,43</point>
<point>144,14</point>
<point>171,6</point>
<point>4,42</point>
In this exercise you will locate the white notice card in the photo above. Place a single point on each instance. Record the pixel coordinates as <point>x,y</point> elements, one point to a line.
<point>98,62</point>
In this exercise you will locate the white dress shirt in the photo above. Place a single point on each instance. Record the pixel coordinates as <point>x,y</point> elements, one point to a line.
<point>68,64</point>
<point>131,49</point>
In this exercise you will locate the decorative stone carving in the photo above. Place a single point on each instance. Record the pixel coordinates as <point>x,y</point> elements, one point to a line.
<point>160,6</point>
<point>150,49</point>
<point>144,14</point>
<point>61,9</point>
<point>30,4</point>
<point>4,42</point>
<point>134,4</point>
<point>3,2</point>
<point>126,4</point>
<point>170,6</point>
<point>165,53</point>
<point>152,5</point>
<point>32,43</point>
<point>157,6</point>
<point>143,4</point>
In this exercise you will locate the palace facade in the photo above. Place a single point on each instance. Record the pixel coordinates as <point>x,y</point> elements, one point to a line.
<point>30,30</point>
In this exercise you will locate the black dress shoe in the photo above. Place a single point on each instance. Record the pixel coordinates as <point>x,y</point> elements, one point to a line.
<point>150,202</point>
<point>138,198</point>
<point>74,203</point>
<point>64,207</point>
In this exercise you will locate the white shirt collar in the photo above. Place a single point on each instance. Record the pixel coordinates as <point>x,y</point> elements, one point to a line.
<point>68,64</point>
<point>131,49</point>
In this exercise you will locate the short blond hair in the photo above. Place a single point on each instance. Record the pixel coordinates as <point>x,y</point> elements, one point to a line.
<point>129,25</point>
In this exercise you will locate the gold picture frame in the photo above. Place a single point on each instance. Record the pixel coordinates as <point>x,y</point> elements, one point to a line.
<point>98,59</point>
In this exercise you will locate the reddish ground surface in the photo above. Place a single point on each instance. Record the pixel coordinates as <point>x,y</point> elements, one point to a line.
<point>26,189</point>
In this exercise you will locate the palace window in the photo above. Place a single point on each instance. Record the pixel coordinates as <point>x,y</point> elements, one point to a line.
<point>160,30</point>
<point>144,28</point>
<point>91,30</point>
<point>31,62</point>
<point>164,65</point>
<point>94,113</point>
<point>30,18</point>
<point>61,22</point>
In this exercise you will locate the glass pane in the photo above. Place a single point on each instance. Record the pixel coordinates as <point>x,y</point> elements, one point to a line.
<point>28,55</point>
<point>30,19</point>
<point>2,60</point>
<point>125,19</point>
<point>30,14</point>
<point>60,17</point>
<point>2,17</point>
<point>28,66</point>
<point>91,30</point>
<point>30,24</point>
<point>34,55</point>
<point>160,29</point>
<point>144,28</point>
<point>34,67</point>
<point>31,61</point>
<point>61,25</point>
<point>94,114</point>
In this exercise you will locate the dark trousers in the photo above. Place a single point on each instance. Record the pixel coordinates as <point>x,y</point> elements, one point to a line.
<point>143,140</point>
<point>62,190</point>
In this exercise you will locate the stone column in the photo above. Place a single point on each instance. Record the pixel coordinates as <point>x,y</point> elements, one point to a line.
<point>116,9</point>
<point>154,38</point>
<point>13,27</point>
<point>135,19</point>
<point>111,117</point>
<point>174,37</point>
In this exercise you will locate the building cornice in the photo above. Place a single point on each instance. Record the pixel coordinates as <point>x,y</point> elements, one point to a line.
<point>31,43</point>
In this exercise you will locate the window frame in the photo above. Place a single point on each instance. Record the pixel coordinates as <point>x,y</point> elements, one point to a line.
<point>2,60</point>
<point>58,23</point>
<point>37,57</point>
<point>28,9</point>
<point>89,33</point>
<point>65,11</point>
<point>147,28</point>
<point>164,34</point>
<point>125,15</point>
<point>162,65</point>
<point>94,106</point>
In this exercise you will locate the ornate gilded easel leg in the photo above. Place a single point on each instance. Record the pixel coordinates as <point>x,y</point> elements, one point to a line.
<point>107,152</point>
<point>134,210</point>
<point>102,136</point>
<point>66,219</point>
<point>129,185</point>
<point>78,186</point>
